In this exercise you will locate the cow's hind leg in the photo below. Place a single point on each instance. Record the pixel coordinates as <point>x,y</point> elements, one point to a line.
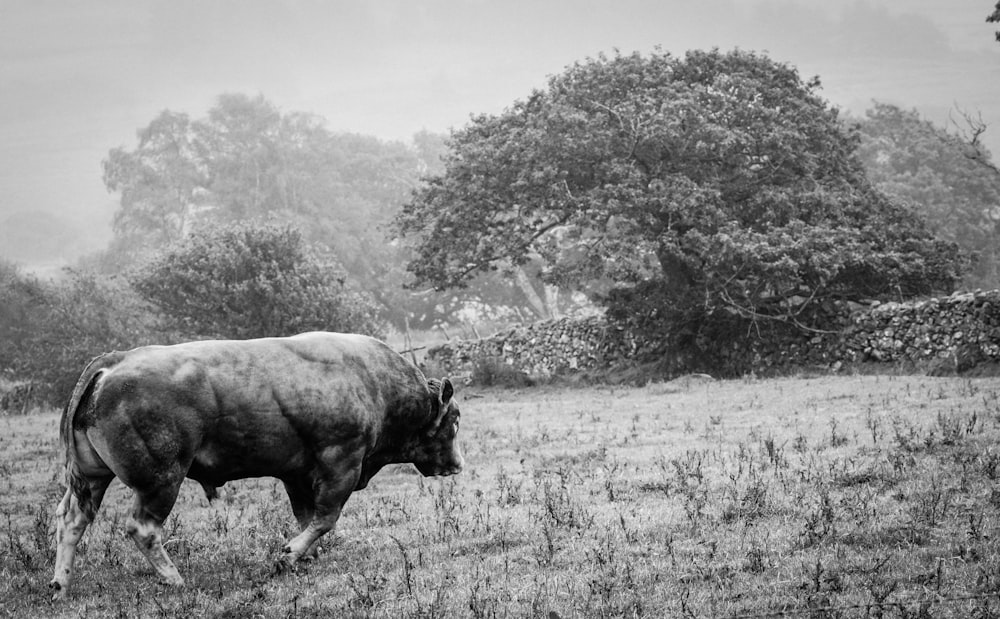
<point>72,519</point>
<point>145,527</point>
<point>335,478</point>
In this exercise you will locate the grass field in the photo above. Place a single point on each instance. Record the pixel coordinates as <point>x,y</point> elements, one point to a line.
<point>849,496</point>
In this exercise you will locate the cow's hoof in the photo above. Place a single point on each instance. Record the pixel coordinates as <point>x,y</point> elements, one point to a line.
<point>58,590</point>
<point>172,580</point>
<point>282,566</point>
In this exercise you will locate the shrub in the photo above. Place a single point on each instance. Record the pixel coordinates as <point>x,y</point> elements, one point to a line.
<point>252,280</point>
<point>493,372</point>
<point>51,329</point>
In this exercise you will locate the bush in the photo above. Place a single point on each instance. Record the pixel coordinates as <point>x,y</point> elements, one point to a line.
<point>240,282</point>
<point>50,330</point>
<point>21,296</point>
<point>252,280</point>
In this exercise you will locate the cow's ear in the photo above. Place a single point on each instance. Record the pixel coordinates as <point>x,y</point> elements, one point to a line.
<point>447,391</point>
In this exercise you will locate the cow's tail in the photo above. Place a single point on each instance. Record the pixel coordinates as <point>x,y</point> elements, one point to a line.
<point>83,397</point>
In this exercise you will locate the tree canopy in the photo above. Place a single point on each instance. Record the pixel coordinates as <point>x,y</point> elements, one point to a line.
<point>717,183</point>
<point>248,280</point>
<point>938,172</point>
<point>247,159</point>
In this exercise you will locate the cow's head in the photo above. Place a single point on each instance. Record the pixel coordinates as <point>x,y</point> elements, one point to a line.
<point>438,453</point>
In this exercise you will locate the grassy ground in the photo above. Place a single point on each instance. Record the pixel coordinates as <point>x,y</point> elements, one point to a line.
<point>862,496</point>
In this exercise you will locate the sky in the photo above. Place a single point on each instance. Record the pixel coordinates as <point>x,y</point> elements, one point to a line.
<point>80,78</point>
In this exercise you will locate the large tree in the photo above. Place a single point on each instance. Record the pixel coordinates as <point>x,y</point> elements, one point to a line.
<point>247,159</point>
<point>939,173</point>
<point>717,184</point>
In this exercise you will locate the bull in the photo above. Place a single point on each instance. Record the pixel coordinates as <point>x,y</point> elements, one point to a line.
<point>322,412</point>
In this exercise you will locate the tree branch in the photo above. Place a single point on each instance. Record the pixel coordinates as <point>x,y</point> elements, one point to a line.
<point>522,247</point>
<point>974,128</point>
<point>754,315</point>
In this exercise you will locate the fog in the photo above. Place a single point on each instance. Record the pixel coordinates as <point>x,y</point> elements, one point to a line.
<point>81,78</point>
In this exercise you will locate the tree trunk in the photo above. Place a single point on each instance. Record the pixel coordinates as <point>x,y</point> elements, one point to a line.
<point>530,294</point>
<point>677,275</point>
<point>552,300</point>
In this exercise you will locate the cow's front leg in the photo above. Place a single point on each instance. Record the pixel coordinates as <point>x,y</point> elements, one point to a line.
<point>336,476</point>
<point>303,501</point>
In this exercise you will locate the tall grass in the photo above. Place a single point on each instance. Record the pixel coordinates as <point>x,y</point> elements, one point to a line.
<point>826,497</point>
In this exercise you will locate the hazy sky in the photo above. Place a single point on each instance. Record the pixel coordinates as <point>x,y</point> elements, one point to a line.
<point>79,78</point>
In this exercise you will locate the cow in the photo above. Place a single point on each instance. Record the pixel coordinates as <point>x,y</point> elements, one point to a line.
<point>322,412</point>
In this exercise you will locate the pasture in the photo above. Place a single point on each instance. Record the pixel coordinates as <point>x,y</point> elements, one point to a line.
<point>838,496</point>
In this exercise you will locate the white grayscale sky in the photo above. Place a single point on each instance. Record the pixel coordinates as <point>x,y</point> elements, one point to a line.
<point>79,78</point>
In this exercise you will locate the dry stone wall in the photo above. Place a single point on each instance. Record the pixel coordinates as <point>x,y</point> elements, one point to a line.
<point>963,328</point>
<point>947,333</point>
<point>543,348</point>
